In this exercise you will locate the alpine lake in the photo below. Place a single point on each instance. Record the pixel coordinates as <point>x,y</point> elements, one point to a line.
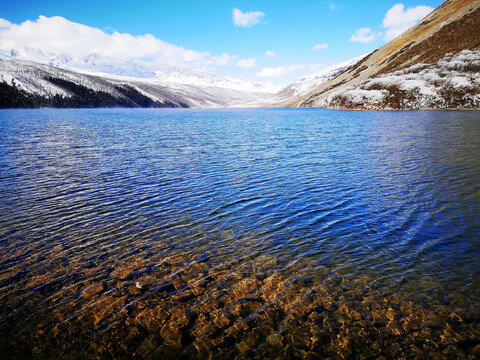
<point>239,234</point>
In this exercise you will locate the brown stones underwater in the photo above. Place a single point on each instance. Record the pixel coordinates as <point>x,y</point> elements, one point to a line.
<point>208,306</point>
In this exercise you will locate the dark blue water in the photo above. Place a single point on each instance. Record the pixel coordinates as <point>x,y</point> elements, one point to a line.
<point>387,199</point>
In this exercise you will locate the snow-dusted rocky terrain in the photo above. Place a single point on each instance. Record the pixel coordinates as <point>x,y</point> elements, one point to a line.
<point>451,83</point>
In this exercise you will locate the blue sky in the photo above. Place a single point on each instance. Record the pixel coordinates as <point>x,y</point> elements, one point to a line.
<point>287,29</point>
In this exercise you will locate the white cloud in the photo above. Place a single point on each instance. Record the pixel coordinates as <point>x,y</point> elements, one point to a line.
<point>331,5</point>
<point>397,19</point>
<point>246,63</point>
<point>59,35</point>
<point>270,53</point>
<point>320,46</point>
<point>278,71</point>
<point>247,19</point>
<point>4,23</point>
<point>364,35</point>
<point>223,59</point>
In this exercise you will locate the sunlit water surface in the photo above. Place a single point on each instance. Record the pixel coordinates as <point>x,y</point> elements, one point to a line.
<point>239,234</point>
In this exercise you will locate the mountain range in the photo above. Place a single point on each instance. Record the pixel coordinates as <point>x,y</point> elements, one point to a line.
<point>61,80</point>
<point>433,65</point>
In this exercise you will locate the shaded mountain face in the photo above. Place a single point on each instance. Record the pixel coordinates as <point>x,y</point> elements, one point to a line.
<point>434,65</point>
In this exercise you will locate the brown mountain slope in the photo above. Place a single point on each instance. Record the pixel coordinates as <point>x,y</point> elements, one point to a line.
<point>452,27</point>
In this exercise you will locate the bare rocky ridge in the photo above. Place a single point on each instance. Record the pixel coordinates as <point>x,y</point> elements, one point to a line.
<point>452,28</point>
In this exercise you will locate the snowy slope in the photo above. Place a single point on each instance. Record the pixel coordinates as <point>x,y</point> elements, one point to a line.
<point>29,84</point>
<point>310,82</point>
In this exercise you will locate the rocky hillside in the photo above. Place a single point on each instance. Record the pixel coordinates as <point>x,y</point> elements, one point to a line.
<point>434,65</point>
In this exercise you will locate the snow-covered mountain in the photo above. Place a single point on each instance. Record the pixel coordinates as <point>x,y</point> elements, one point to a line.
<point>36,72</point>
<point>433,65</point>
<point>34,84</point>
<point>312,81</point>
<point>167,74</point>
<point>173,75</point>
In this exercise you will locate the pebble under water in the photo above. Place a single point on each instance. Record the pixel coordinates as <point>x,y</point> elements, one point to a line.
<point>239,234</point>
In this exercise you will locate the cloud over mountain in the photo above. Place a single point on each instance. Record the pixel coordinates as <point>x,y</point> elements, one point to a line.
<point>59,35</point>
<point>398,19</point>
<point>278,71</point>
<point>364,35</point>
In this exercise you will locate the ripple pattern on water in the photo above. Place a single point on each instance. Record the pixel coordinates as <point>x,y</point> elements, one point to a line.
<point>239,233</point>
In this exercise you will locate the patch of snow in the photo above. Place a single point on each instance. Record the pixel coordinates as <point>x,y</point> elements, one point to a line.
<point>416,68</point>
<point>460,82</point>
<point>356,97</point>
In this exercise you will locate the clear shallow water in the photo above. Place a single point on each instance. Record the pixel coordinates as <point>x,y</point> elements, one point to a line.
<point>239,233</point>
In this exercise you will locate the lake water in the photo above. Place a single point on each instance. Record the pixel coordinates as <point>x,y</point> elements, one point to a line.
<point>264,233</point>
